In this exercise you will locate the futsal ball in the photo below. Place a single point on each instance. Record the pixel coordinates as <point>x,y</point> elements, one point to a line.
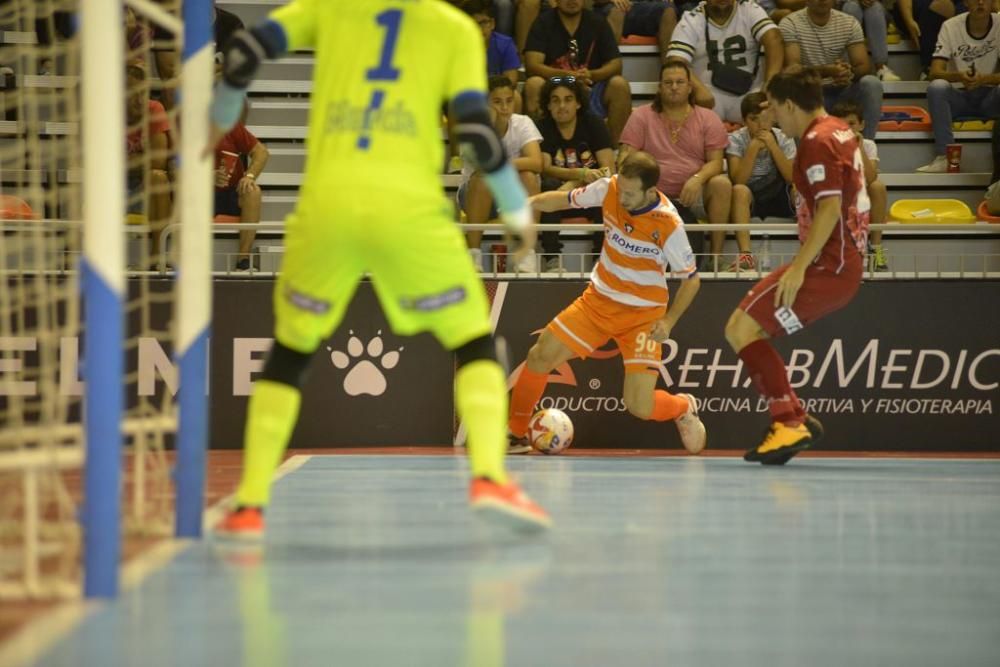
<point>550,431</point>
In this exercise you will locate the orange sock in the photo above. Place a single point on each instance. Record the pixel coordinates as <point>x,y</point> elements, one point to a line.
<point>667,407</point>
<point>527,391</point>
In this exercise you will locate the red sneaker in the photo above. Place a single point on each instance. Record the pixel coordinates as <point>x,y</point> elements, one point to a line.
<point>242,523</point>
<point>507,504</point>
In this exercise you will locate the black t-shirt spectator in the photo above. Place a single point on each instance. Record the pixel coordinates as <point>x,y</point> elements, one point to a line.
<point>592,47</point>
<point>577,152</point>
<point>580,150</point>
<point>226,23</point>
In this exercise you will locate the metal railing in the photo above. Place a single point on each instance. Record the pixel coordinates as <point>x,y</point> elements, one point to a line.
<point>935,264</point>
<point>931,265</point>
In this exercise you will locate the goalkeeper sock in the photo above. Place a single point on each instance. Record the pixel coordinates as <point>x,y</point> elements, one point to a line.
<point>528,391</point>
<point>767,371</point>
<point>271,416</point>
<point>481,399</point>
<point>667,407</point>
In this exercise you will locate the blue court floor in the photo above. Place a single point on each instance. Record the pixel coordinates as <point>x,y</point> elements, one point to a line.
<point>374,560</point>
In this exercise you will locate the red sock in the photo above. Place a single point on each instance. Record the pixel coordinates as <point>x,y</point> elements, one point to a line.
<point>527,391</point>
<point>667,407</point>
<point>767,371</point>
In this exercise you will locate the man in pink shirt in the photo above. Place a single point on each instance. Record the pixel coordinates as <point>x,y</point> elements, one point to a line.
<point>689,143</point>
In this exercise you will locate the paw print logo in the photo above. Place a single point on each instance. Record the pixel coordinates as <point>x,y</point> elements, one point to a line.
<point>365,376</point>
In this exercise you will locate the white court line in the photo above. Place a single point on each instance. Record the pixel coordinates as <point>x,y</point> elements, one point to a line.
<point>35,639</point>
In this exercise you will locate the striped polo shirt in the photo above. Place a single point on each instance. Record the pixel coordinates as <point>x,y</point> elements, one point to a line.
<point>821,45</point>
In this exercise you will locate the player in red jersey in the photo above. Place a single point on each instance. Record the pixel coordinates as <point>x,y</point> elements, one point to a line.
<point>833,213</point>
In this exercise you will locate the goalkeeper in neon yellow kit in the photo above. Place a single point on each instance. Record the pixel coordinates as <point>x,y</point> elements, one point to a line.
<point>371,201</point>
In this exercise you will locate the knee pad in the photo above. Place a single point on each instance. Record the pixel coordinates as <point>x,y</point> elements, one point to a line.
<point>286,366</point>
<point>476,350</point>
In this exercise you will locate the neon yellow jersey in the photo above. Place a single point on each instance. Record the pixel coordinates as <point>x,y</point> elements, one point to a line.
<point>383,70</point>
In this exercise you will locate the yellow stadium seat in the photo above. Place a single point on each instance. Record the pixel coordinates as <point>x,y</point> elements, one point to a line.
<point>931,211</point>
<point>135,219</point>
<point>973,125</point>
<point>893,34</point>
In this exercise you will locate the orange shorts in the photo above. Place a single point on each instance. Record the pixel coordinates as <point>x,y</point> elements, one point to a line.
<point>590,321</point>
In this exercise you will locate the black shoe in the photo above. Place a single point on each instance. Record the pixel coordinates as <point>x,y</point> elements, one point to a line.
<point>516,445</point>
<point>243,264</point>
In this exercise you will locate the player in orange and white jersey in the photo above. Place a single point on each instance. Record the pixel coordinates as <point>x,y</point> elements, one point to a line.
<point>626,300</point>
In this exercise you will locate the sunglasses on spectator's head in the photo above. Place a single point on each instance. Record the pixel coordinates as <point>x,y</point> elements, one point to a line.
<point>560,80</point>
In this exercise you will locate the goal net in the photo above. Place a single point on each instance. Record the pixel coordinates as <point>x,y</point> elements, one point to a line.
<point>91,316</point>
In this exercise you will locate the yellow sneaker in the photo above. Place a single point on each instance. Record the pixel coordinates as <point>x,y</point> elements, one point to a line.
<point>816,432</point>
<point>781,441</point>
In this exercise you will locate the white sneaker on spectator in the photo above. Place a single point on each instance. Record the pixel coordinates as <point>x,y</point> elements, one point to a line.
<point>938,165</point>
<point>554,265</point>
<point>528,263</point>
<point>886,74</point>
<point>477,258</point>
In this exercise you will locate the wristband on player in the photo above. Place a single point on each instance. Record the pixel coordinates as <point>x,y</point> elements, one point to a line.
<point>509,195</point>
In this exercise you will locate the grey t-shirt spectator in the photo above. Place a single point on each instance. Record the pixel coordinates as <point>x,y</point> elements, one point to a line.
<point>764,170</point>
<point>821,45</point>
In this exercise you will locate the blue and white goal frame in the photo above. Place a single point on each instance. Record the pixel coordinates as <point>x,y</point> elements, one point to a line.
<point>103,282</point>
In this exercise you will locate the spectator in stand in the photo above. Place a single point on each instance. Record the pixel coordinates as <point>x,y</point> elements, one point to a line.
<point>850,113</point>
<point>522,142</point>
<point>760,160</point>
<point>577,42</point>
<point>964,78</point>
<point>874,19</point>
<point>832,44</point>
<point>727,32</point>
<point>501,52</point>
<point>779,9</point>
<point>239,159</point>
<point>644,18</point>
<point>137,37</point>
<point>56,25</point>
<point>922,20</point>
<point>526,11</point>
<point>688,141</point>
<point>166,54</point>
<point>147,148</point>
<point>576,151</point>
<point>503,12</point>
<point>224,25</point>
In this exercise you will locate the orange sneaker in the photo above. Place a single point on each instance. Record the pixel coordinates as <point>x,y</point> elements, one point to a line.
<point>242,523</point>
<point>506,504</point>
